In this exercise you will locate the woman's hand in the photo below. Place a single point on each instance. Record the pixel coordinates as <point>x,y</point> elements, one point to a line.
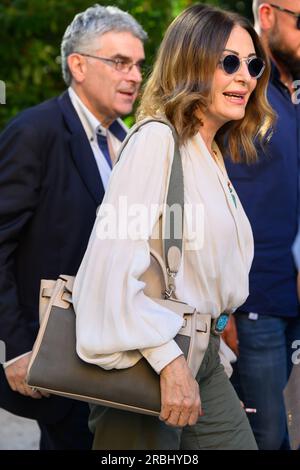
<point>180,396</point>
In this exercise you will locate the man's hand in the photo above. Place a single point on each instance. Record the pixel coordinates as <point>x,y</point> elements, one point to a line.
<point>16,374</point>
<point>180,396</point>
<point>230,335</point>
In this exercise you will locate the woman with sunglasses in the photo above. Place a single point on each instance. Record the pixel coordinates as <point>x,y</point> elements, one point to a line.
<point>209,81</point>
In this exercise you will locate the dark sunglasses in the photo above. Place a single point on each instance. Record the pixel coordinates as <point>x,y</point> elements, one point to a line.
<point>231,63</point>
<point>289,12</point>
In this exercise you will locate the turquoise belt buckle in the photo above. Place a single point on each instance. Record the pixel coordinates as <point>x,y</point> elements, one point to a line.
<point>219,324</point>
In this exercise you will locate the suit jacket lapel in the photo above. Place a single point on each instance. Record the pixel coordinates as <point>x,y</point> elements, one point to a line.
<point>81,151</point>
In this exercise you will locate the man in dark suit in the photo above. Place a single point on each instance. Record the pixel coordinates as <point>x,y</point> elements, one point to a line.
<point>55,162</point>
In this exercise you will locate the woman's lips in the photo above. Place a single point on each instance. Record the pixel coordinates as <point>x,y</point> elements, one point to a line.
<point>235,97</point>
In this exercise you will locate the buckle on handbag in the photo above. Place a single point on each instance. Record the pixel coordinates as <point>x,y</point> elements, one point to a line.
<point>219,324</point>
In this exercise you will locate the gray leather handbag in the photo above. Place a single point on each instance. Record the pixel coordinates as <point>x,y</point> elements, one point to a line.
<point>55,366</point>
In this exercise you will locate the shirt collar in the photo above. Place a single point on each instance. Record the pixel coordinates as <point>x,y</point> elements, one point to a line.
<point>276,80</point>
<point>91,124</point>
<point>275,74</point>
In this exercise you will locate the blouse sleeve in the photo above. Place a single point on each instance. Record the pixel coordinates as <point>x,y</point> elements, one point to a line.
<point>116,322</point>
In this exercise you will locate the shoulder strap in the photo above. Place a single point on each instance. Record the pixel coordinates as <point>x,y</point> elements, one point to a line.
<point>173,222</point>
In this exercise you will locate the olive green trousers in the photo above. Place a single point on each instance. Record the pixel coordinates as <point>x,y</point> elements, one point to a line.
<point>223,426</point>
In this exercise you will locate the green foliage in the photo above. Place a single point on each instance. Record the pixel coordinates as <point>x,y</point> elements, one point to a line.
<point>31,32</point>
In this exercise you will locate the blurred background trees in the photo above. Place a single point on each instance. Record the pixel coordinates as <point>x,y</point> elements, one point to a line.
<point>31,32</point>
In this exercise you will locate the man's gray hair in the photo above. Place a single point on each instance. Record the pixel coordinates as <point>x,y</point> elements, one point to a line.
<point>89,25</point>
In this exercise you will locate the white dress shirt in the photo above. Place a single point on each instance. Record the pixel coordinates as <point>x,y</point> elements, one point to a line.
<point>117,323</point>
<point>93,127</point>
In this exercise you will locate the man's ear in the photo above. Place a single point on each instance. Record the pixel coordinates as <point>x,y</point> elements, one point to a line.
<point>77,66</point>
<point>266,16</point>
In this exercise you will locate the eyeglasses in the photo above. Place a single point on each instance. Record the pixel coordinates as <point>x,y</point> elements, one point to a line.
<point>289,12</point>
<point>231,63</point>
<point>121,65</point>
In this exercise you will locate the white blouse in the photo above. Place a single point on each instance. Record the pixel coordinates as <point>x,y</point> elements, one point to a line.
<point>117,323</point>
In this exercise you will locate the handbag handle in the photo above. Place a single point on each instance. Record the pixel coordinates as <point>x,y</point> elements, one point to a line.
<point>172,246</point>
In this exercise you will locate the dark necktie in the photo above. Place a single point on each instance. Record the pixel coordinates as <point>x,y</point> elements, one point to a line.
<point>102,142</point>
